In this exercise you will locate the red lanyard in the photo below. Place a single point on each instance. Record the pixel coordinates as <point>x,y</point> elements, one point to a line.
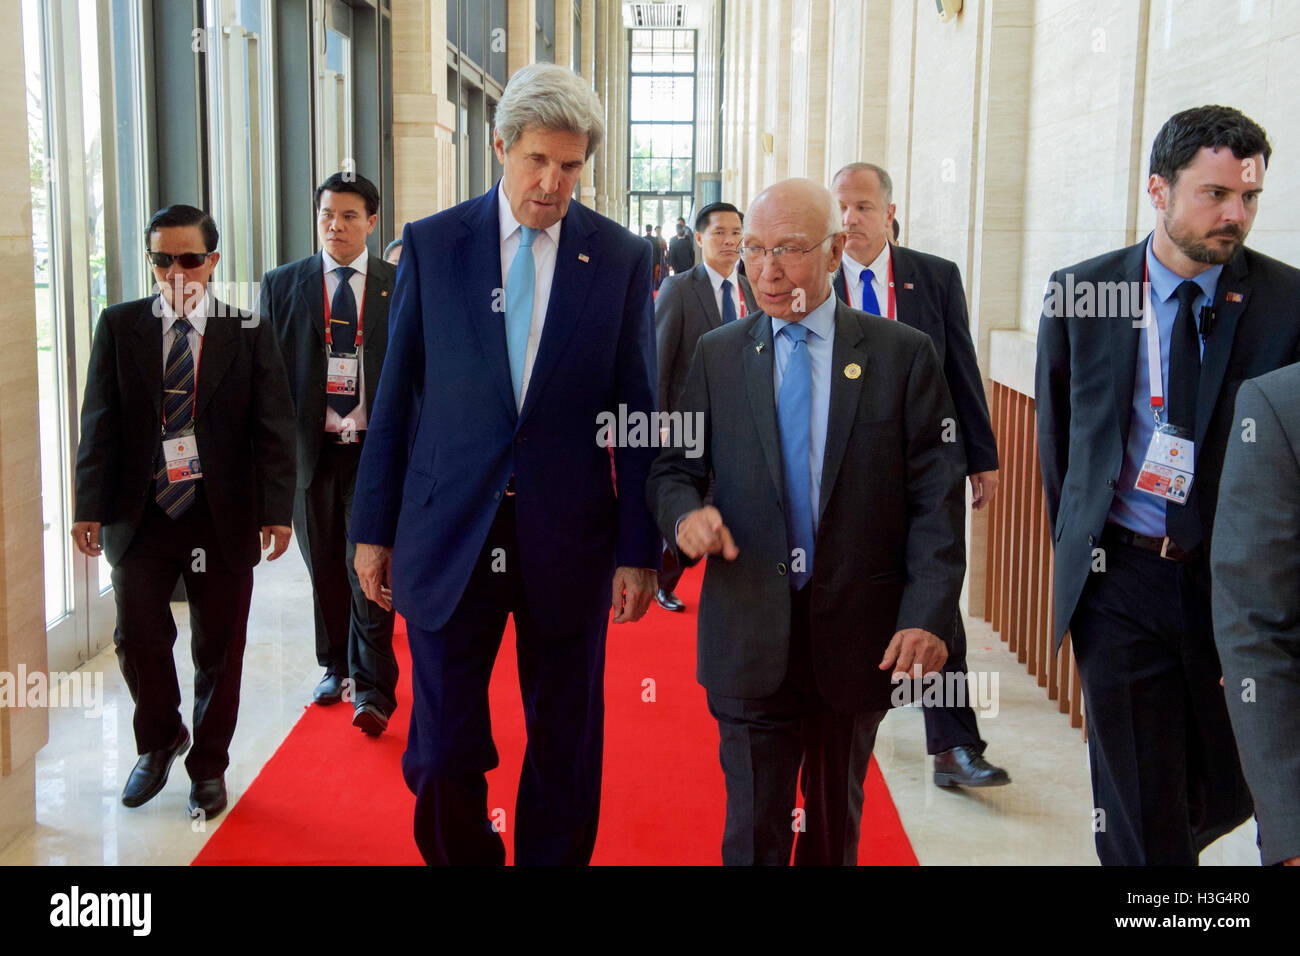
<point>194,406</point>
<point>329,335</point>
<point>890,310</point>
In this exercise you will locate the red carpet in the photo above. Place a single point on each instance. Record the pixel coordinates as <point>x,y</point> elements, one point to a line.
<point>663,800</point>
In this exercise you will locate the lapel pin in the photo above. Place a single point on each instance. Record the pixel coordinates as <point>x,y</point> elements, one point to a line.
<point>383,294</point>
<point>908,285</point>
<point>1234,297</point>
<point>583,257</point>
<point>853,370</point>
<point>759,348</point>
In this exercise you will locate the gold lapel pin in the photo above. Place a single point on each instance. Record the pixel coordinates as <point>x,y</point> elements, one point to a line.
<point>759,348</point>
<point>853,370</point>
<point>583,257</point>
<point>383,294</point>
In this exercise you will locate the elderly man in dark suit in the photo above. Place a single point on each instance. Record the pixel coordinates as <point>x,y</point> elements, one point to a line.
<point>330,314</point>
<point>520,320</point>
<point>925,292</point>
<point>174,380</point>
<point>1126,397</point>
<point>1256,565</point>
<point>688,305</point>
<point>834,541</point>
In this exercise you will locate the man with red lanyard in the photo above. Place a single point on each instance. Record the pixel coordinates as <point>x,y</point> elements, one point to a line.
<point>330,313</point>
<point>185,455</point>
<point>925,292</point>
<point>689,304</point>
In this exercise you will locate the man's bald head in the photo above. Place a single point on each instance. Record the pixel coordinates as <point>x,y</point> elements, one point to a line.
<point>797,214</point>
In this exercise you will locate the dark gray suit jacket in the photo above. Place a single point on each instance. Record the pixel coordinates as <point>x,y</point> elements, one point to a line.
<point>1256,573</point>
<point>1084,393</point>
<point>890,550</point>
<point>684,310</point>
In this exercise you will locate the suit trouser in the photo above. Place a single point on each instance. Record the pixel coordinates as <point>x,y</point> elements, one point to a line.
<point>354,635</point>
<point>450,747</point>
<point>947,727</point>
<point>1165,772</point>
<point>163,550</point>
<point>763,742</point>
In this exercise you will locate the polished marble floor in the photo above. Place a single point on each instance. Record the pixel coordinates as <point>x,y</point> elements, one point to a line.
<point>1043,817</point>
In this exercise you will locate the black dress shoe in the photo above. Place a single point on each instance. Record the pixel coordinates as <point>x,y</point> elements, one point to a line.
<point>964,767</point>
<point>329,690</point>
<point>669,601</point>
<point>208,796</point>
<point>149,775</point>
<point>370,719</point>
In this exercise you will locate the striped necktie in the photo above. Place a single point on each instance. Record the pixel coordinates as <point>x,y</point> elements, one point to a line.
<point>178,407</point>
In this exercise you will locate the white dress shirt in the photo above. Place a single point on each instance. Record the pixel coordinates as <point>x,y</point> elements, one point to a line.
<point>333,420</point>
<point>879,279</point>
<point>716,278</point>
<point>545,248</point>
<point>198,326</point>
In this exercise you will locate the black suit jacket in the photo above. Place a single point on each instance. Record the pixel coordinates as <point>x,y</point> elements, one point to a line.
<point>684,310</point>
<point>244,428</point>
<point>928,295</point>
<point>293,301</point>
<point>1084,391</point>
<point>681,253</point>
<point>890,550</point>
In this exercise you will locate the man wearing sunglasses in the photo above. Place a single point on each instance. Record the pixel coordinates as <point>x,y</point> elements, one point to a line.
<point>330,314</point>
<point>186,454</point>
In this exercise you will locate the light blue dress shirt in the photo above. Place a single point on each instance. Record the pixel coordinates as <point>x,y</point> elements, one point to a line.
<point>1137,510</point>
<point>820,323</point>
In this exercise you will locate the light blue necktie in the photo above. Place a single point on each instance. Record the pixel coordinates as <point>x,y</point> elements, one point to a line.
<point>869,301</point>
<point>728,303</point>
<point>520,284</point>
<point>794,418</point>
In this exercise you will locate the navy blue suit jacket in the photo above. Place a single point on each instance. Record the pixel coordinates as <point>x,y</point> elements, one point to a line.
<point>444,436</point>
<point>928,295</point>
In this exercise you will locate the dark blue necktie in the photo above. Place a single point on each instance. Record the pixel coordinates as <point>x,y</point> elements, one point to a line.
<point>728,304</point>
<point>794,419</point>
<point>178,407</point>
<point>1183,521</point>
<point>869,301</point>
<point>343,332</point>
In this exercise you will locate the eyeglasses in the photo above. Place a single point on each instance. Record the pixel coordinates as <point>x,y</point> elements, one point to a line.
<point>755,254</point>
<point>187,260</point>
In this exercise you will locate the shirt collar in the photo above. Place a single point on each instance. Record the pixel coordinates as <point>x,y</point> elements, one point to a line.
<point>879,266</point>
<point>509,224</point>
<point>716,277</point>
<point>1165,282</point>
<point>199,318</point>
<point>359,263</point>
<point>820,321</point>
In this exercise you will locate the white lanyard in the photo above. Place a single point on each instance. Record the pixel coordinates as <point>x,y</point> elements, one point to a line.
<point>1155,372</point>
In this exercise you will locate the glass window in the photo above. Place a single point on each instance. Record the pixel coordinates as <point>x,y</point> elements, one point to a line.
<point>661,124</point>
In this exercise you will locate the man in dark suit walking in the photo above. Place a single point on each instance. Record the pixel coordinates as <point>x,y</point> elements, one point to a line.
<point>330,315</point>
<point>925,292</point>
<point>1127,396</point>
<point>520,320</point>
<point>824,430</point>
<point>1256,565</point>
<point>681,251</point>
<point>688,305</point>
<point>179,382</point>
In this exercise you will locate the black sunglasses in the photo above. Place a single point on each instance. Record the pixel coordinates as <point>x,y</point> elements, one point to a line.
<point>187,260</point>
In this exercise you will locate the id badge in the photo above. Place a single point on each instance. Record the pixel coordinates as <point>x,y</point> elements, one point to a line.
<point>341,375</point>
<point>1170,465</point>
<point>182,457</point>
